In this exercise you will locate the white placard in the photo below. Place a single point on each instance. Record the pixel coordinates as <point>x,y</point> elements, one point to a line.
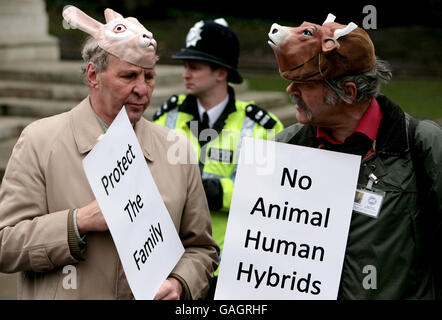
<point>141,227</point>
<point>288,222</point>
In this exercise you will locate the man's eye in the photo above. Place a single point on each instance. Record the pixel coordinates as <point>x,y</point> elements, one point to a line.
<point>307,33</point>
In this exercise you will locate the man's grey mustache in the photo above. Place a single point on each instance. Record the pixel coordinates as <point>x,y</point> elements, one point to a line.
<point>298,101</point>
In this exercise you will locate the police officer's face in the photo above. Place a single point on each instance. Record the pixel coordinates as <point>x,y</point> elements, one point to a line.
<point>199,78</point>
<point>310,103</point>
<point>121,84</point>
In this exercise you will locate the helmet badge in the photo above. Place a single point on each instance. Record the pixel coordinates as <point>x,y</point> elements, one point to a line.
<point>194,34</point>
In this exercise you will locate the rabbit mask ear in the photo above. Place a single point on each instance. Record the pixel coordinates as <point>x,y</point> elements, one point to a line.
<point>78,19</point>
<point>110,15</point>
<point>126,39</point>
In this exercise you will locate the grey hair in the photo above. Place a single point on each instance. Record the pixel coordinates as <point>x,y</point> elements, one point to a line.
<point>367,84</point>
<point>92,52</point>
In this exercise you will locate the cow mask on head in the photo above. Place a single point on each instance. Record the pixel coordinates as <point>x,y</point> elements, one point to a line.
<point>312,52</point>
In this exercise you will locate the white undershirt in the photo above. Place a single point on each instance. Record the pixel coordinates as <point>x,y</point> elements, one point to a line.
<point>214,112</point>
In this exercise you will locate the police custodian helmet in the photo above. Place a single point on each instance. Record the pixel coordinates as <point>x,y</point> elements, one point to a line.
<point>214,42</point>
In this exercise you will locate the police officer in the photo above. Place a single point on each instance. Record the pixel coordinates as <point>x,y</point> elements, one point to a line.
<point>211,117</point>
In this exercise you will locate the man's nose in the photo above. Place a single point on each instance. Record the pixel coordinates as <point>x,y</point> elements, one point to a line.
<point>292,88</point>
<point>186,73</point>
<point>141,87</point>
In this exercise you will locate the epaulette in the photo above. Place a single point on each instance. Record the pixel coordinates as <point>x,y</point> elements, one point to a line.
<point>166,107</point>
<point>260,116</point>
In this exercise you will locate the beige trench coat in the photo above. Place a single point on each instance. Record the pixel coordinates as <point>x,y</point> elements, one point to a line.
<point>45,179</point>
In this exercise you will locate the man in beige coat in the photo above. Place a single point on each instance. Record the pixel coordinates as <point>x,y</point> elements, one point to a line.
<point>49,218</point>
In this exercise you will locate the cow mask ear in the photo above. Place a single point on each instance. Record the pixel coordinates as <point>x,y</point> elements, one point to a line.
<point>329,44</point>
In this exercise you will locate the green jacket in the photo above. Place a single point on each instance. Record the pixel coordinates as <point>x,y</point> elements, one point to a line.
<point>218,157</point>
<point>403,244</point>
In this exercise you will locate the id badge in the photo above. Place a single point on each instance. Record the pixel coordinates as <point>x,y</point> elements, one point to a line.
<point>368,202</point>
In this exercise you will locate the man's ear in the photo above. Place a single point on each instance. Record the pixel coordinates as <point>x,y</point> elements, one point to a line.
<point>92,75</point>
<point>222,74</point>
<point>350,91</point>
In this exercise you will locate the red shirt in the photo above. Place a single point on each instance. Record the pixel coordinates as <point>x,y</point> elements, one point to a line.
<point>368,125</point>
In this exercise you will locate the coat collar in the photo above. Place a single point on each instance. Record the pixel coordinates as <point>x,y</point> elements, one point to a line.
<point>392,135</point>
<point>87,130</point>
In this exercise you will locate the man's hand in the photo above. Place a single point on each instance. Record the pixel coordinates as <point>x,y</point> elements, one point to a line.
<point>171,289</point>
<point>90,218</point>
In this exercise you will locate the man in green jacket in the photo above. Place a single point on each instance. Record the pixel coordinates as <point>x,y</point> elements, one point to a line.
<point>335,78</point>
<point>210,116</point>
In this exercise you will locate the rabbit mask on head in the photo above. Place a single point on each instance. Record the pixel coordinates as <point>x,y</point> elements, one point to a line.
<point>125,38</point>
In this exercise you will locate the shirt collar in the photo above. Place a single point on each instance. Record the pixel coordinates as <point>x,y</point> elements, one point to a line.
<point>103,125</point>
<point>368,125</point>
<point>214,112</point>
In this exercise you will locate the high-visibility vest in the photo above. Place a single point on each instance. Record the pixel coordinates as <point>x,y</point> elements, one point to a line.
<point>219,157</point>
